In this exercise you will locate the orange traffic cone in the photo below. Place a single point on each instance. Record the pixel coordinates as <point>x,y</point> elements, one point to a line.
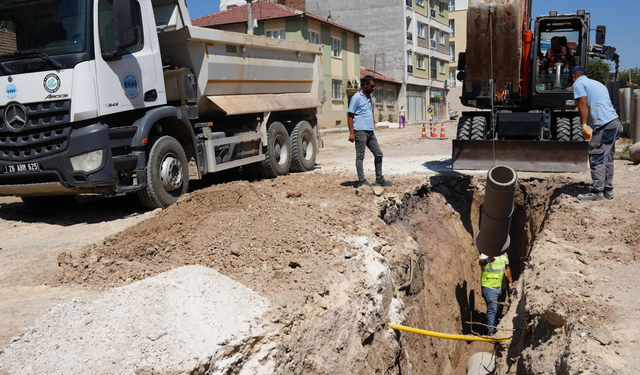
<point>424,131</point>
<point>442,134</point>
<point>432,129</point>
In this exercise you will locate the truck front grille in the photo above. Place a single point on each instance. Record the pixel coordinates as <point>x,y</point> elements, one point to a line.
<point>46,132</point>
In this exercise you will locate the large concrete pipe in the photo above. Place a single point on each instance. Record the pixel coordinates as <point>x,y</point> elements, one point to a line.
<point>623,112</point>
<point>634,153</point>
<point>635,123</point>
<point>481,364</point>
<point>626,103</point>
<point>493,237</point>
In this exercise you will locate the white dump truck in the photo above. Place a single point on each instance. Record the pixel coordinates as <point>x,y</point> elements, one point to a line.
<point>120,96</point>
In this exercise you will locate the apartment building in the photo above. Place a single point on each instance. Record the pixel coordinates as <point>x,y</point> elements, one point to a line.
<point>458,43</point>
<point>407,40</point>
<point>341,58</point>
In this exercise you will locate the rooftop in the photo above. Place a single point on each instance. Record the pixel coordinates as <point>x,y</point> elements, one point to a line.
<point>262,10</point>
<point>376,76</point>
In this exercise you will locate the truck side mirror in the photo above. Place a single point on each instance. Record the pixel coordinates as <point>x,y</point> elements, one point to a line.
<point>601,35</point>
<point>125,25</point>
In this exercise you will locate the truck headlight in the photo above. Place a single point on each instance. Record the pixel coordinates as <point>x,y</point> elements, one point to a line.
<point>88,162</point>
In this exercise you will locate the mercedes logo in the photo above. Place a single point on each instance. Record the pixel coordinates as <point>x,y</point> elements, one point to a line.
<point>15,117</point>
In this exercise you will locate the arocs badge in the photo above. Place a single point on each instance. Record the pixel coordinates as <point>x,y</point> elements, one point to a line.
<point>51,83</point>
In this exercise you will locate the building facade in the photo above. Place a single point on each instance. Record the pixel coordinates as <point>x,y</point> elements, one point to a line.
<point>385,96</point>
<point>407,40</point>
<point>340,60</point>
<point>458,23</point>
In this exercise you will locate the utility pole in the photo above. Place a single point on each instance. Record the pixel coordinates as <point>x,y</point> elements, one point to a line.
<point>250,17</point>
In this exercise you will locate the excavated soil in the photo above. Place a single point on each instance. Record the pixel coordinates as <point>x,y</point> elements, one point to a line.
<point>300,248</point>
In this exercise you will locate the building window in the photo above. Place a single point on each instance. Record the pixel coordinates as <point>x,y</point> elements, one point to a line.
<point>452,77</point>
<point>314,37</point>
<point>336,47</point>
<point>391,97</point>
<point>443,6</point>
<point>276,34</point>
<point>409,58</point>
<point>434,68</point>
<point>452,52</point>
<point>421,30</point>
<point>441,70</point>
<point>420,2</point>
<point>377,95</point>
<point>420,61</point>
<point>452,26</point>
<point>441,37</point>
<point>452,6</point>
<point>336,89</point>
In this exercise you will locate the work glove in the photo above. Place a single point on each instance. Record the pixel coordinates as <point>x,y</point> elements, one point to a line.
<point>587,132</point>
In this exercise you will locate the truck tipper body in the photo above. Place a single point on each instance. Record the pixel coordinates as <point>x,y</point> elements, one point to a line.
<point>121,96</point>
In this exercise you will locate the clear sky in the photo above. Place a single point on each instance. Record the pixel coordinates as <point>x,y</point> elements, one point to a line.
<point>620,16</point>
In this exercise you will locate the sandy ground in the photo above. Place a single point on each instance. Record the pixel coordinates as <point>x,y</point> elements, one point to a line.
<point>297,251</point>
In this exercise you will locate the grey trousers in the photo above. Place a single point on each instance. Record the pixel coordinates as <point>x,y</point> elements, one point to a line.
<point>602,149</point>
<point>368,139</point>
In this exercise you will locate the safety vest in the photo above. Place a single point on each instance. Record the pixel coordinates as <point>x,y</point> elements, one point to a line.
<point>563,51</point>
<point>494,274</point>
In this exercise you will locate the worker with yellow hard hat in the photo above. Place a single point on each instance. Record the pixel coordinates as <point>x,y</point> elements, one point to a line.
<point>496,276</point>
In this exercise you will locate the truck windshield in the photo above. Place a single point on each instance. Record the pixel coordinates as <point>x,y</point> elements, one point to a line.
<point>42,28</point>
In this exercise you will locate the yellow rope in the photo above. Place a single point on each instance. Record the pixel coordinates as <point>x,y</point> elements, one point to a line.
<point>447,335</point>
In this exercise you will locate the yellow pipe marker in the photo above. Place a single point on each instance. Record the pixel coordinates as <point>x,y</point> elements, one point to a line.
<point>447,335</point>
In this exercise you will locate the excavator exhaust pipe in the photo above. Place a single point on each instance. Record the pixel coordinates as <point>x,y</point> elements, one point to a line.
<point>493,237</point>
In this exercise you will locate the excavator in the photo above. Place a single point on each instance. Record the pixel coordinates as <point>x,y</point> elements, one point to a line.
<point>518,80</point>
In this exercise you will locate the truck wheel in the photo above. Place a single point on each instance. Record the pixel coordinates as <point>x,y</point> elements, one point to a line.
<point>478,128</point>
<point>304,147</point>
<point>277,160</point>
<point>167,174</point>
<point>576,130</point>
<point>563,129</point>
<point>464,128</point>
<point>53,203</point>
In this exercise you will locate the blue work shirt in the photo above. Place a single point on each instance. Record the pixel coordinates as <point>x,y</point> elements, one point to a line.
<point>362,108</point>
<point>601,110</point>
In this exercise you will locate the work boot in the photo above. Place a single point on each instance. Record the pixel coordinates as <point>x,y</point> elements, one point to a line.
<point>608,193</point>
<point>380,181</point>
<point>591,196</point>
<point>363,182</point>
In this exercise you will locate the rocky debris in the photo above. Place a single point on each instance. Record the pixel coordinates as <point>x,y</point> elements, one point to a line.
<point>377,191</point>
<point>602,338</point>
<point>294,194</point>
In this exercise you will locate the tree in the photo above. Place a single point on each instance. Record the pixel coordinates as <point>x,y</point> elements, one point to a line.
<point>599,70</point>
<point>635,76</point>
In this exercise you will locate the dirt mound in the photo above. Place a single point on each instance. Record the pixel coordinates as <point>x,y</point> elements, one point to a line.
<point>187,320</point>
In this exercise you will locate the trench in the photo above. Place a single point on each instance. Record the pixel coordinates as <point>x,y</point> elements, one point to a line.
<point>444,294</point>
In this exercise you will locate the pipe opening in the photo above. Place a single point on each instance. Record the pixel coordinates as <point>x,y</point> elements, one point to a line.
<point>502,176</point>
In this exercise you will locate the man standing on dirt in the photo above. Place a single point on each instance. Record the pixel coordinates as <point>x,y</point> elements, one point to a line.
<point>594,103</point>
<point>495,274</point>
<point>361,127</point>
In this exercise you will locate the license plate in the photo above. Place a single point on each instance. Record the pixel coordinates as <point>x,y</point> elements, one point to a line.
<point>19,168</point>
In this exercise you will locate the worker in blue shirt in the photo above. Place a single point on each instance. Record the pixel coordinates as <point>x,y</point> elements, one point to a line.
<point>361,127</point>
<point>594,105</point>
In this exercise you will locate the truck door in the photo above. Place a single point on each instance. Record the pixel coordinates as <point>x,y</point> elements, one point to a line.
<point>130,80</point>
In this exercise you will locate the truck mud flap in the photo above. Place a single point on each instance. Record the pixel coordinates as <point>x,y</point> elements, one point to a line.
<point>523,156</point>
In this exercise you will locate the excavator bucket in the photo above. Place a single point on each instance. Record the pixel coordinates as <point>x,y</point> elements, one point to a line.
<point>494,42</point>
<point>523,156</point>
